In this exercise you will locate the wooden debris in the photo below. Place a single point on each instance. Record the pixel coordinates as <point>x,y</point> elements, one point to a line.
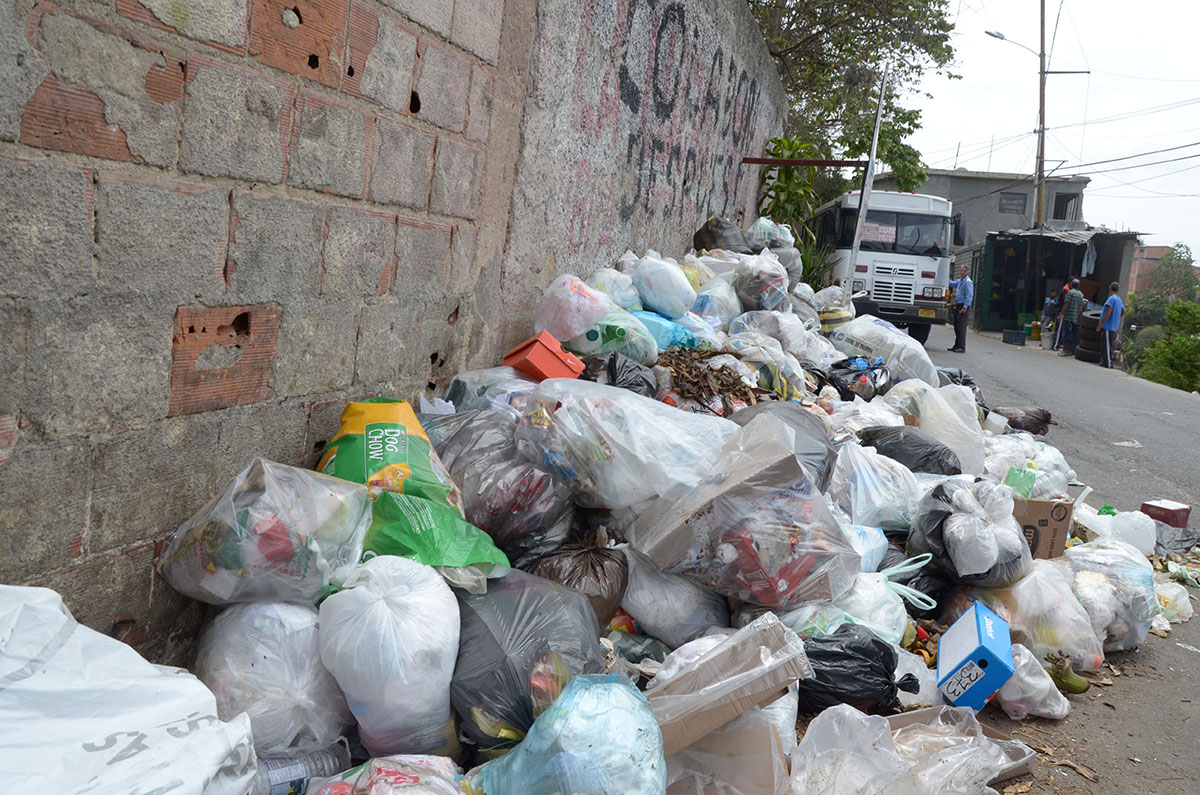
<point>1087,773</point>
<point>693,378</point>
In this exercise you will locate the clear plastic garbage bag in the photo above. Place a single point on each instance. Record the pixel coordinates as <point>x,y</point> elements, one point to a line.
<point>938,419</point>
<point>764,232</point>
<point>873,489</point>
<point>393,775</point>
<point>869,336</point>
<point>717,300</point>
<point>617,286</point>
<point>617,449</point>
<point>764,352</point>
<point>83,712</point>
<point>832,297</point>
<point>570,307</point>
<point>617,332</point>
<point>667,606</point>
<point>812,443</point>
<point>928,694</point>
<point>858,414</point>
<point>277,533</point>
<point>599,737</point>
<point>1175,601</point>
<point>1133,527</point>
<point>877,603</point>
<point>264,659</point>
<point>626,262</point>
<point>663,286</point>
<point>500,389</point>
<point>1115,584</point>
<point>521,642</point>
<point>785,328</point>
<point>666,332</point>
<point>762,282</point>
<point>1030,691</point>
<point>708,337</point>
<point>391,638</point>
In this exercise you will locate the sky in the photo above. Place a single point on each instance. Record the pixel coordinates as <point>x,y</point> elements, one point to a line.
<point>1143,95</point>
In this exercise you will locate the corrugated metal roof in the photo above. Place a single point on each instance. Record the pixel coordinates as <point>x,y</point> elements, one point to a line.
<point>1078,237</point>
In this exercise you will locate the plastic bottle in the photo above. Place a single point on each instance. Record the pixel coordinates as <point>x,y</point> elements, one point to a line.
<point>288,774</point>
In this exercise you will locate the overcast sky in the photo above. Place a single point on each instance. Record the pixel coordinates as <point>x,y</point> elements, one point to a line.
<point>1143,58</point>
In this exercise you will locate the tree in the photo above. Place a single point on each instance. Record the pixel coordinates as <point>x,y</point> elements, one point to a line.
<point>1147,309</point>
<point>830,55</point>
<point>1175,360</point>
<point>1174,275</point>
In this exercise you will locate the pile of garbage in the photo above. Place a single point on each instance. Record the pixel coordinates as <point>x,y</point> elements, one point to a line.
<point>702,506</point>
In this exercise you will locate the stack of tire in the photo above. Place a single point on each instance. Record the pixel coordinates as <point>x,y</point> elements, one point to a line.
<point>1088,349</point>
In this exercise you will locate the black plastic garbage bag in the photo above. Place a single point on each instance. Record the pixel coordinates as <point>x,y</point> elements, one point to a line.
<point>519,645</point>
<point>927,580</point>
<point>953,375</point>
<point>1034,419</point>
<point>599,574</point>
<point>524,508</point>
<point>617,369</point>
<point>813,446</point>
<point>722,233</point>
<point>916,450</point>
<point>852,666</point>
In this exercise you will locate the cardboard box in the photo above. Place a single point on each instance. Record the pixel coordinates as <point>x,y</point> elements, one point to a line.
<point>1169,512</point>
<point>974,657</point>
<point>1046,524</point>
<point>1019,764</point>
<point>745,756</point>
<point>750,668</point>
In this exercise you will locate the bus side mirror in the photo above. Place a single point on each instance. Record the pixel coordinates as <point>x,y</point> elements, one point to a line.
<point>960,230</point>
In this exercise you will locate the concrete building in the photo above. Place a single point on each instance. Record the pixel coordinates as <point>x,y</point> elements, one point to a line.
<point>992,202</point>
<point>219,222</point>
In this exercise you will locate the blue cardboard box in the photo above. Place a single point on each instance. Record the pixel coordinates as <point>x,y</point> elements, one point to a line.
<point>974,657</point>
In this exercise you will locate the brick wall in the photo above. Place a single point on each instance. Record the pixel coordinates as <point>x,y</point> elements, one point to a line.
<point>222,219</point>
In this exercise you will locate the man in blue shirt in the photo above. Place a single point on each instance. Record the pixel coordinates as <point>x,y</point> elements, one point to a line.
<point>964,294</point>
<point>1110,324</point>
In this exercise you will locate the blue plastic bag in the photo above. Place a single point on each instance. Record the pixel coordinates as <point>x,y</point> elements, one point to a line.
<point>599,737</point>
<point>667,333</point>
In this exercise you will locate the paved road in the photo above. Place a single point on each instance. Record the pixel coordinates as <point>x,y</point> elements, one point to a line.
<point>1142,733</point>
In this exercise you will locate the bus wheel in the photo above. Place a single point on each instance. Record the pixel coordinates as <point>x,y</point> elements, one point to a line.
<point>919,332</point>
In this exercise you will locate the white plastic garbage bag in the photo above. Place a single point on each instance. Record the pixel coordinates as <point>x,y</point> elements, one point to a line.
<point>667,606</point>
<point>707,335</point>
<point>663,286</point>
<point>928,695</point>
<point>1175,602</point>
<point>762,282</point>
<point>869,336</point>
<point>391,639</point>
<point>873,489</point>
<point>617,286</point>
<point>859,414</point>
<point>1115,584</point>
<point>626,262</point>
<point>263,659</point>
<point>277,533</point>
<point>1031,691</point>
<point>84,713</point>
<point>938,419</point>
<point>877,603</point>
<point>569,307</point>
<point>1133,527</point>
<point>716,300</point>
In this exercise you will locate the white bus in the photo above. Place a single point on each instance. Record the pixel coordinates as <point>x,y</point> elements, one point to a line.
<point>904,257</point>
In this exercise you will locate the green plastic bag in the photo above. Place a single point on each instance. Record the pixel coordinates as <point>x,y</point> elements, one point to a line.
<point>427,531</point>
<point>1021,481</point>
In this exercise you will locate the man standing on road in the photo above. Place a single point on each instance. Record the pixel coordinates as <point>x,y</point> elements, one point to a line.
<point>1110,324</point>
<point>1069,318</point>
<point>964,294</point>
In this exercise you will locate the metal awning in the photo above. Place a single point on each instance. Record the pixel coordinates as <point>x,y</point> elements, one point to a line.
<point>1079,237</point>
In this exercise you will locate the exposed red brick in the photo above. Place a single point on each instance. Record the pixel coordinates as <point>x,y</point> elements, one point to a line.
<point>252,329</point>
<point>139,13</point>
<point>76,548</point>
<point>71,119</point>
<point>126,629</point>
<point>164,84</point>
<point>387,279</point>
<point>313,49</point>
<point>362,37</point>
<point>8,436</point>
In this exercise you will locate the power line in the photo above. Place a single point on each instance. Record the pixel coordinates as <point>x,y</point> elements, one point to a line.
<point>1131,157</point>
<point>1127,168</point>
<point>1130,114</point>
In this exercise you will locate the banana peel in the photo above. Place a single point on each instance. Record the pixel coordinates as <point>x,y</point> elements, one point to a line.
<point>1063,676</point>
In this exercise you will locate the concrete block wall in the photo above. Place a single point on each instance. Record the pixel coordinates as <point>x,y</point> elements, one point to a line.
<point>222,219</point>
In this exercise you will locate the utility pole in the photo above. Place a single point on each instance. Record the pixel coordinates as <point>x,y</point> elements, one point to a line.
<point>1040,185</point>
<point>868,181</point>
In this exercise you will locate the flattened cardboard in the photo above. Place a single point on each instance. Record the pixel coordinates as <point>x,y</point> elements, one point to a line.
<point>1046,524</point>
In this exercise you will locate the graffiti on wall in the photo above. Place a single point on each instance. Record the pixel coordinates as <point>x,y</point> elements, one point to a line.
<point>671,109</point>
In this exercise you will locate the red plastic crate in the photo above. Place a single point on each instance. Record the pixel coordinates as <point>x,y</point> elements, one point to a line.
<point>543,357</point>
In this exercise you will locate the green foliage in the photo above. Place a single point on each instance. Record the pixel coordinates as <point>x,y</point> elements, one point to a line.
<point>1184,318</point>
<point>1174,275</point>
<point>1136,343</point>
<point>830,55</point>
<point>1146,309</point>
<point>790,195</point>
<point>1175,359</point>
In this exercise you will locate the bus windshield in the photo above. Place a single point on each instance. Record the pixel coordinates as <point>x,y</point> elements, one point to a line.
<point>898,233</point>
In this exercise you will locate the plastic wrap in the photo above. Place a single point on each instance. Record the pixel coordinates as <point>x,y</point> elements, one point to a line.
<point>599,574</point>
<point>667,333</point>
<point>720,233</point>
<point>617,286</point>
<point>523,506</point>
<point>1115,584</point>
<point>1175,602</point>
<point>755,529</point>
<point>663,286</point>
<point>969,529</point>
<point>873,489</point>
<point>858,414</point>
<point>812,444</point>
<point>599,736</point>
<point>1031,691</point>
<point>570,307</point>
<point>390,639</point>
<point>83,712</point>
<point>907,664</point>
<point>869,336</point>
<point>850,666</point>
<point>617,449</point>
<point>619,370</point>
<point>1044,615</point>
<point>277,533</point>
<point>394,775</point>
<point>263,659</point>
<point>669,607</point>
<point>912,448</point>
<point>617,332</point>
<point>761,283</point>
<point>521,642</point>
<point>939,419</point>
<point>717,300</point>
<point>496,388</point>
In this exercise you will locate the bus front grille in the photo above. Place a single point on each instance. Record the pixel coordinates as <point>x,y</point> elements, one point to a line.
<point>892,292</point>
